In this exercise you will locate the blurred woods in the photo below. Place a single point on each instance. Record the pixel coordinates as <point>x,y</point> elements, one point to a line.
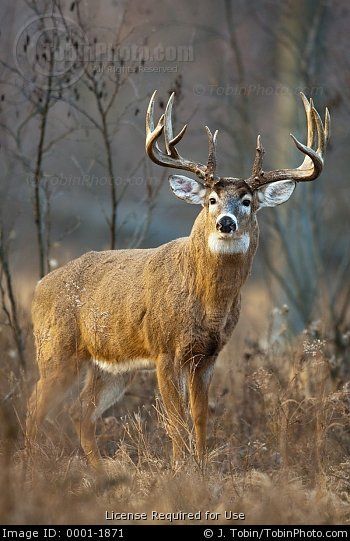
<point>73,171</point>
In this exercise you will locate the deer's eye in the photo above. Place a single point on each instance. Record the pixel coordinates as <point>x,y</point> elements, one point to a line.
<point>246,202</point>
<point>212,201</point>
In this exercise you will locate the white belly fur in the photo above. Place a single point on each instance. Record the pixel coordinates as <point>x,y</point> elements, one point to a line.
<point>123,367</point>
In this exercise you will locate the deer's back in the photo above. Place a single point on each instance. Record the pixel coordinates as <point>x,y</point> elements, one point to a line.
<point>113,303</point>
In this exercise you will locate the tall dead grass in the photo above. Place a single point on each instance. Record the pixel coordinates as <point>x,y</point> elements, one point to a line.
<point>278,447</point>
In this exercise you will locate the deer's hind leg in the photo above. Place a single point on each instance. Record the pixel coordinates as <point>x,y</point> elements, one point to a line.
<point>101,390</point>
<point>55,380</point>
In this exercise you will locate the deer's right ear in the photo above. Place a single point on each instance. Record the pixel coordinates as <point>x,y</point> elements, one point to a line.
<point>187,189</point>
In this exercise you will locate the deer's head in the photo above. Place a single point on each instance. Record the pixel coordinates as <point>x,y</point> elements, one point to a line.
<point>231,203</point>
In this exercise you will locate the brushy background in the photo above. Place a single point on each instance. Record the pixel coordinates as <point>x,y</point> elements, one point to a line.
<point>74,178</point>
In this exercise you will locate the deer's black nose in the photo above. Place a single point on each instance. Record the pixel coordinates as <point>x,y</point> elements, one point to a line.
<point>226,224</point>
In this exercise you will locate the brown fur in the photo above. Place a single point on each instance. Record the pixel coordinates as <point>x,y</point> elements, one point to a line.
<point>176,305</point>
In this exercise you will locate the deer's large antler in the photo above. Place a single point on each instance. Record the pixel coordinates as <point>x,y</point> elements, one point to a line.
<point>312,165</point>
<point>172,158</point>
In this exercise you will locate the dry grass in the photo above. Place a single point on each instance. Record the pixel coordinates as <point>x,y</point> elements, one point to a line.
<point>278,447</point>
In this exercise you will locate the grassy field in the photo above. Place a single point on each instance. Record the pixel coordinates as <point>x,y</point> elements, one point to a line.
<point>278,448</point>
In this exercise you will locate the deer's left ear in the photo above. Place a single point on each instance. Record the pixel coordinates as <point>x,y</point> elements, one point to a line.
<point>187,189</point>
<point>275,193</point>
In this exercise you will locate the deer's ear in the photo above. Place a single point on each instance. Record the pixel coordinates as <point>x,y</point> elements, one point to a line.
<point>187,189</point>
<point>275,193</point>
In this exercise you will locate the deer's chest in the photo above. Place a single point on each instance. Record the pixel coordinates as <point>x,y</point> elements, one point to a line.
<point>208,335</point>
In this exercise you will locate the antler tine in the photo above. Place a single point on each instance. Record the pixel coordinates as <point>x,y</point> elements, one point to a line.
<point>169,139</point>
<point>327,125</point>
<point>259,156</point>
<point>149,114</point>
<point>308,106</point>
<point>211,164</point>
<point>321,145</point>
<point>168,128</point>
<point>150,130</point>
<point>153,133</point>
<point>178,137</point>
<point>312,164</point>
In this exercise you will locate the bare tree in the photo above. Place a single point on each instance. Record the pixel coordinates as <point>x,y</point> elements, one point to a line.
<point>8,300</point>
<point>303,235</point>
<point>32,103</point>
<point>103,82</point>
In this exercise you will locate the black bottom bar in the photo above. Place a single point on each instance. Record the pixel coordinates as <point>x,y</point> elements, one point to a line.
<point>154,532</point>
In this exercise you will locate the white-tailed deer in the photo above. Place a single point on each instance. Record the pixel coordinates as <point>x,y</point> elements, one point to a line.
<point>172,307</point>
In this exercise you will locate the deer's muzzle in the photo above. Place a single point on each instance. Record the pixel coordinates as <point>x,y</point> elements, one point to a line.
<point>226,223</point>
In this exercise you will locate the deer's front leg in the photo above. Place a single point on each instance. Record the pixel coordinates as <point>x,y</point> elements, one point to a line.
<point>199,381</point>
<point>171,386</point>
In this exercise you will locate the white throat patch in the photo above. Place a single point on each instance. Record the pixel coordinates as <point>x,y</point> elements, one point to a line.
<point>236,245</point>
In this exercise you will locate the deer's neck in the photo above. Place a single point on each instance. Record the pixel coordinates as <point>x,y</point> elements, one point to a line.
<point>217,278</point>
